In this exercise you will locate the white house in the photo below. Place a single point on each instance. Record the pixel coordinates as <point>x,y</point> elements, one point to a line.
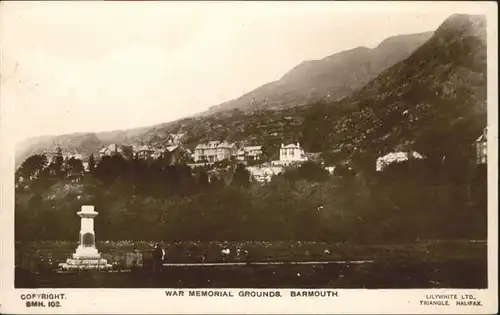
<point>395,157</point>
<point>291,153</point>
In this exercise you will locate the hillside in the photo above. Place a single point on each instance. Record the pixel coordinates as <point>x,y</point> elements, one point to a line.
<point>433,101</point>
<point>337,75</point>
<point>85,143</point>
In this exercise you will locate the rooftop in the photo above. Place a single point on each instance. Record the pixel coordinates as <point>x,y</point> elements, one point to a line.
<point>252,148</point>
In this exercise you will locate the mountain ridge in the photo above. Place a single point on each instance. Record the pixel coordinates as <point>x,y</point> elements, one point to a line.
<point>336,75</point>
<point>434,101</point>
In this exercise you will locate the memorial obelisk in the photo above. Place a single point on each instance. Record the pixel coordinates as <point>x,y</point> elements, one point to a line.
<point>87,249</point>
<point>86,255</point>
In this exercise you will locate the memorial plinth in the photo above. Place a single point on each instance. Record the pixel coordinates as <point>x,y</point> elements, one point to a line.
<point>86,255</point>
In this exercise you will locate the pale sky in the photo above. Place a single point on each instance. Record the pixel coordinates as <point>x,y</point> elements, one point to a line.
<point>97,66</point>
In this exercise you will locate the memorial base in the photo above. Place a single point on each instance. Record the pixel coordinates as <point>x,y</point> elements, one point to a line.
<point>85,258</point>
<point>86,253</point>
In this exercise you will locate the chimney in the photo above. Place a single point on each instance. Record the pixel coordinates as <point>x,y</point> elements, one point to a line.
<point>282,145</point>
<point>298,145</point>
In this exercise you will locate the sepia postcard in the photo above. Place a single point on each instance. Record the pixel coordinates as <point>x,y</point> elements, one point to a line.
<point>248,157</point>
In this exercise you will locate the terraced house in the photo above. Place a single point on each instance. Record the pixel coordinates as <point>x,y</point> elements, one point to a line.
<point>226,151</point>
<point>214,151</point>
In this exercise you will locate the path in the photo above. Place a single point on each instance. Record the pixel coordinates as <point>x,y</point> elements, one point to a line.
<point>268,263</point>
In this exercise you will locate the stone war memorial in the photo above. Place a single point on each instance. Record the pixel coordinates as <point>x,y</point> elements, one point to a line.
<point>86,256</point>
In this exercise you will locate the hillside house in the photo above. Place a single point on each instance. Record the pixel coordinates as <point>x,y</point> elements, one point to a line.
<point>144,152</point>
<point>291,153</point>
<point>263,174</point>
<point>206,151</point>
<point>253,153</point>
<point>116,149</point>
<point>175,139</point>
<point>174,154</point>
<point>215,151</point>
<point>226,151</point>
<point>482,148</point>
<point>395,157</point>
<point>249,153</point>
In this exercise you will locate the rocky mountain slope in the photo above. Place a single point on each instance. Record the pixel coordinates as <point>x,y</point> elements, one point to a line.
<point>333,77</point>
<point>433,102</point>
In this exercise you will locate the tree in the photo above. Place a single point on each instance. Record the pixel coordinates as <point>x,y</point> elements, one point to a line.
<point>57,167</point>
<point>75,167</point>
<point>312,171</point>
<point>32,167</point>
<point>112,167</point>
<point>241,176</point>
<point>203,180</point>
<point>91,163</point>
